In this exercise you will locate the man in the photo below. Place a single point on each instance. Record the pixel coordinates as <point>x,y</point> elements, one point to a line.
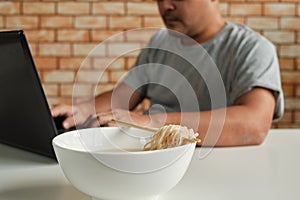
<point>246,62</point>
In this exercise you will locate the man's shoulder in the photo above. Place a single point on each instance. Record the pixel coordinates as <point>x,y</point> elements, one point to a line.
<point>244,32</point>
<point>237,27</point>
<point>243,35</point>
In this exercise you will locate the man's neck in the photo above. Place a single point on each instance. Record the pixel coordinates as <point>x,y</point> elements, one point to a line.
<point>213,28</point>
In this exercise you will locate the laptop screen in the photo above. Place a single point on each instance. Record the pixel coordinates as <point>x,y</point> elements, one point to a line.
<point>25,118</point>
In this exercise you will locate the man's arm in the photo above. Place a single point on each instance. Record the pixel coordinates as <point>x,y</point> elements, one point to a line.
<point>79,113</point>
<point>122,97</point>
<point>247,122</point>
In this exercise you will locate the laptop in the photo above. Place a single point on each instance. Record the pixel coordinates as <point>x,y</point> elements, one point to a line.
<point>25,117</point>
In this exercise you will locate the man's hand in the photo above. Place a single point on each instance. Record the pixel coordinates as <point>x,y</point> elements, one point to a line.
<point>74,115</point>
<point>105,118</point>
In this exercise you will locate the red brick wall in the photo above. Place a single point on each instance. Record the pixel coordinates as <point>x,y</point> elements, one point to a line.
<point>62,33</point>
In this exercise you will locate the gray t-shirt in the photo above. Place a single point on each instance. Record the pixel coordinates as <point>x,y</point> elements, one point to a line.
<point>179,75</point>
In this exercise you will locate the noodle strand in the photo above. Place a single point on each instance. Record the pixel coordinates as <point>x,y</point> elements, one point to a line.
<point>171,136</point>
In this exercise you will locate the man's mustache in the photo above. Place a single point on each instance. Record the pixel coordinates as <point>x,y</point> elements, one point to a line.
<point>170,16</point>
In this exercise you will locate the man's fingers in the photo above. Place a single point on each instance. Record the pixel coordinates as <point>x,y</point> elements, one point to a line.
<point>61,110</point>
<point>66,111</point>
<point>104,118</point>
<point>68,122</point>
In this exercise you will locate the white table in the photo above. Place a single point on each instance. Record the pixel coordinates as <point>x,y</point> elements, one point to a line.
<point>270,171</point>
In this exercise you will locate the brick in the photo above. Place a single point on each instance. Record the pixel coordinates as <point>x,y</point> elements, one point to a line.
<point>286,63</point>
<point>109,8</point>
<point>239,20</point>
<point>152,21</point>
<point>90,22</point>
<point>104,87</point>
<point>58,76</point>
<point>50,89</point>
<point>245,9</point>
<point>230,1</point>
<point>287,117</point>
<point>40,75</point>
<point>297,91</point>
<point>1,22</point>
<point>289,77</point>
<point>123,49</point>
<point>262,23</point>
<point>290,23</point>
<point>56,22</point>
<point>54,49</point>
<point>70,63</point>
<point>289,51</point>
<point>291,103</point>
<point>81,99</point>
<point>88,49</point>
<point>297,116</point>
<point>286,125</point>
<point>142,8</point>
<point>38,8</point>
<point>298,64</point>
<point>130,0</point>
<point>261,1</point>
<point>109,63</point>
<point>140,35</point>
<point>280,37</point>
<point>43,63</point>
<point>116,76</point>
<point>22,22</point>
<point>41,35</point>
<point>104,77</point>
<point>9,8</point>
<point>296,1</point>
<point>73,8</point>
<point>76,90</point>
<point>73,35</point>
<point>124,22</point>
<point>224,8</point>
<point>91,76</point>
<point>33,48</point>
<point>288,90</point>
<point>59,100</point>
<point>279,9</point>
<point>86,64</point>
<point>130,62</point>
<point>111,35</point>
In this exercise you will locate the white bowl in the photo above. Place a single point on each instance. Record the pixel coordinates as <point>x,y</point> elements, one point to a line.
<point>109,164</point>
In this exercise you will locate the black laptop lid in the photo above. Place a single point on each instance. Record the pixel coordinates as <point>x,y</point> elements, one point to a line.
<point>25,118</point>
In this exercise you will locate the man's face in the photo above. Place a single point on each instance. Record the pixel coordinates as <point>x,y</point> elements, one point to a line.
<point>185,16</point>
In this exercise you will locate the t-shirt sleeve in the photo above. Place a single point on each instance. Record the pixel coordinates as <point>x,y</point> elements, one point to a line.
<point>257,66</point>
